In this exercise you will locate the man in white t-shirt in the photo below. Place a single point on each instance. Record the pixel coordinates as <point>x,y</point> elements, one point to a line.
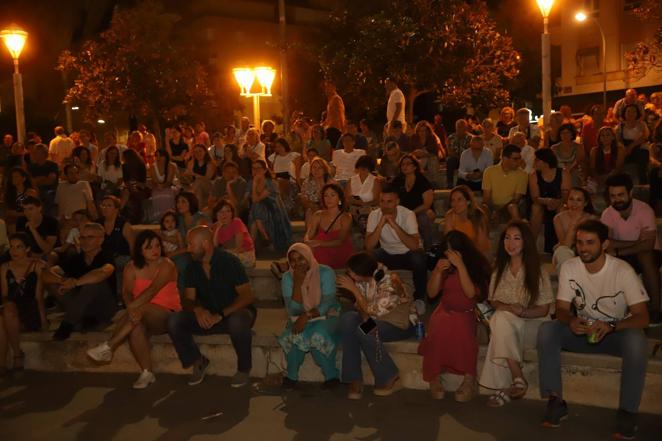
<point>633,237</point>
<point>395,108</point>
<point>532,132</point>
<point>254,149</point>
<point>60,147</point>
<point>395,229</point>
<point>528,152</point>
<point>344,159</point>
<point>611,316</point>
<point>73,195</point>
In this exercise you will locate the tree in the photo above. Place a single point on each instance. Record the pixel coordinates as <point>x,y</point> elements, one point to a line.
<point>647,54</point>
<point>448,47</point>
<point>136,67</point>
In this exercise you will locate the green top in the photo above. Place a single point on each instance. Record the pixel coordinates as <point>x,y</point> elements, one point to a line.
<point>219,291</point>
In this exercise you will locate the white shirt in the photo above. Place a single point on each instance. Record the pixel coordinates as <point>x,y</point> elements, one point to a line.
<point>532,131</point>
<point>72,197</point>
<point>258,148</point>
<point>284,164</point>
<point>528,156</point>
<point>604,295</point>
<point>60,148</point>
<point>344,163</point>
<point>468,162</point>
<point>363,189</point>
<point>395,97</point>
<point>217,153</point>
<point>111,174</point>
<point>389,239</point>
<point>305,171</point>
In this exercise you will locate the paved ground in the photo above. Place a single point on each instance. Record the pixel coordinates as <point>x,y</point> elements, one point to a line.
<point>103,407</point>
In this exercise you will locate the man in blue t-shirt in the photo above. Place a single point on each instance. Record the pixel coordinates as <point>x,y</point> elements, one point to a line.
<point>218,299</point>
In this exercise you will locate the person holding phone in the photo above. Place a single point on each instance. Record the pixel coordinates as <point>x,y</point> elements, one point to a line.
<point>309,292</point>
<point>610,302</point>
<point>382,307</point>
<point>450,344</point>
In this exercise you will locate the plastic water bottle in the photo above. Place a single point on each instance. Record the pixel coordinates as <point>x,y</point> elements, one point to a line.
<point>420,312</point>
<point>420,330</point>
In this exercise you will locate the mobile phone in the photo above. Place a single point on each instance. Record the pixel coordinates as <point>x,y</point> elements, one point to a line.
<point>368,326</point>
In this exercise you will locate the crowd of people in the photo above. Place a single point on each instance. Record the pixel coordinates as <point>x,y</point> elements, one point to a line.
<point>75,237</point>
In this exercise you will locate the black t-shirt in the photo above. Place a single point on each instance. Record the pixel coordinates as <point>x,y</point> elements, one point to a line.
<point>413,198</point>
<point>44,170</point>
<point>76,267</point>
<point>48,227</point>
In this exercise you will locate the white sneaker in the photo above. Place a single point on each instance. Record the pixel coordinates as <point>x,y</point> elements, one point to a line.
<point>101,353</point>
<point>146,378</point>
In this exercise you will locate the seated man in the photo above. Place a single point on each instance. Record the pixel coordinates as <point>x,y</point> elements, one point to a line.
<point>73,195</point>
<point>473,162</point>
<point>218,299</point>
<point>84,283</point>
<point>231,186</point>
<point>532,132</point>
<point>395,229</point>
<point>42,230</point>
<point>389,166</point>
<point>504,184</point>
<point>614,327</point>
<point>632,236</point>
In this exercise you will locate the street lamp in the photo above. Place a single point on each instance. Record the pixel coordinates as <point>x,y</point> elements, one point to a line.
<point>582,17</point>
<point>14,39</point>
<point>545,8</point>
<point>246,77</point>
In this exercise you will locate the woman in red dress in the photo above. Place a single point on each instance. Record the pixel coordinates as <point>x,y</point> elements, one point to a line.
<point>461,277</point>
<point>329,230</point>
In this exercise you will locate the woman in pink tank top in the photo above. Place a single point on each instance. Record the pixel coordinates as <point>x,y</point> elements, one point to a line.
<point>150,293</point>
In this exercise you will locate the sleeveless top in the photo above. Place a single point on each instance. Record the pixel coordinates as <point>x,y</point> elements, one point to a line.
<point>550,189</point>
<point>363,189</point>
<point>115,243</point>
<point>22,292</point>
<point>629,135</point>
<point>605,161</point>
<point>552,140</point>
<point>200,169</point>
<point>565,162</point>
<point>167,297</point>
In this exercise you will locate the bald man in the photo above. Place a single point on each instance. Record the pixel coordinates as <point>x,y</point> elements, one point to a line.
<point>630,97</point>
<point>218,299</point>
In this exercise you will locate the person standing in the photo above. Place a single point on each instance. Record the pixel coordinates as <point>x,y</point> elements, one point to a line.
<point>334,122</point>
<point>218,299</point>
<point>60,147</point>
<point>395,107</point>
<point>615,327</point>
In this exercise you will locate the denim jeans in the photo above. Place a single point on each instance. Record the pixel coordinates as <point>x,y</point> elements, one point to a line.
<point>182,326</point>
<point>414,261</point>
<point>354,341</point>
<point>629,344</point>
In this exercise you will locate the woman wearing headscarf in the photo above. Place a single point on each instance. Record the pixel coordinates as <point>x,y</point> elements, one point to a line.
<point>309,292</point>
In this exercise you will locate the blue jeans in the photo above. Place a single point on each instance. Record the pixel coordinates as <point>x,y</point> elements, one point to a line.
<point>414,261</point>
<point>183,325</point>
<point>354,341</point>
<point>629,344</point>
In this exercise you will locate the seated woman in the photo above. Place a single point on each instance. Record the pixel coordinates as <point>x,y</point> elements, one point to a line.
<point>520,290</point>
<point>580,208</point>
<point>319,142</point>
<point>362,191</point>
<point>329,231</point>
<point>633,133</point>
<point>427,146</point>
<point>163,172</point>
<point>416,193</point>
<point>467,216</point>
<point>231,234</point>
<point>570,154</point>
<point>309,292</point>
<point>150,294</point>
<point>283,167</point>
<point>17,187</point>
<point>22,299</point>
<point>199,171</point>
<point>86,167</point>
<point>267,218</point>
<point>188,212</point>
<point>383,305</point>
<point>450,343</point>
<point>110,171</point>
<point>311,189</point>
<point>606,158</point>
<point>548,190</point>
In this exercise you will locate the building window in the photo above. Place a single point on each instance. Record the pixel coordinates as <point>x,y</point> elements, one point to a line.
<point>588,61</point>
<point>629,5</point>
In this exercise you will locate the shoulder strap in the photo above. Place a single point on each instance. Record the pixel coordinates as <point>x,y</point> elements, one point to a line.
<point>333,223</point>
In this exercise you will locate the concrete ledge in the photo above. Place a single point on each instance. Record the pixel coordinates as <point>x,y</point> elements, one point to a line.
<point>588,379</point>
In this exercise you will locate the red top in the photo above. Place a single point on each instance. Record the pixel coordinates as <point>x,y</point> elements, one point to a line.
<point>167,297</point>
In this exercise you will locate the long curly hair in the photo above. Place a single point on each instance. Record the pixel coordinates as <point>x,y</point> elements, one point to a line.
<point>476,263</point>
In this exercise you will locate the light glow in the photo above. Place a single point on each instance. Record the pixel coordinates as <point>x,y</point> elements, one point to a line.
<point>14,38</point>
<point>265,76</point>
<point>545,7</point>
<point>581,16</point>
<point>245,78</point>
<point>101,121</point>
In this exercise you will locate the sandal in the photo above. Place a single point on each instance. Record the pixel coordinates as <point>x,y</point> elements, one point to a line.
<point>19,362</point>
<point>499,399</point>
<point>518,388</point>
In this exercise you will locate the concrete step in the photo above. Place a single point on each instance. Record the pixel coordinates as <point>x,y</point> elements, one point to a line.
<point>588,379</point>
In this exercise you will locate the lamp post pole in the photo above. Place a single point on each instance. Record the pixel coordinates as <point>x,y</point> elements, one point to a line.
<point>546,72</point>
<point>18,103</point>
<point>257,121</point>
<point>604,66</point>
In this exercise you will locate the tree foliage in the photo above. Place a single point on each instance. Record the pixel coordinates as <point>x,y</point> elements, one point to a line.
<point>647,54</point>
<point>136,67</point>
<point>449,47</point>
